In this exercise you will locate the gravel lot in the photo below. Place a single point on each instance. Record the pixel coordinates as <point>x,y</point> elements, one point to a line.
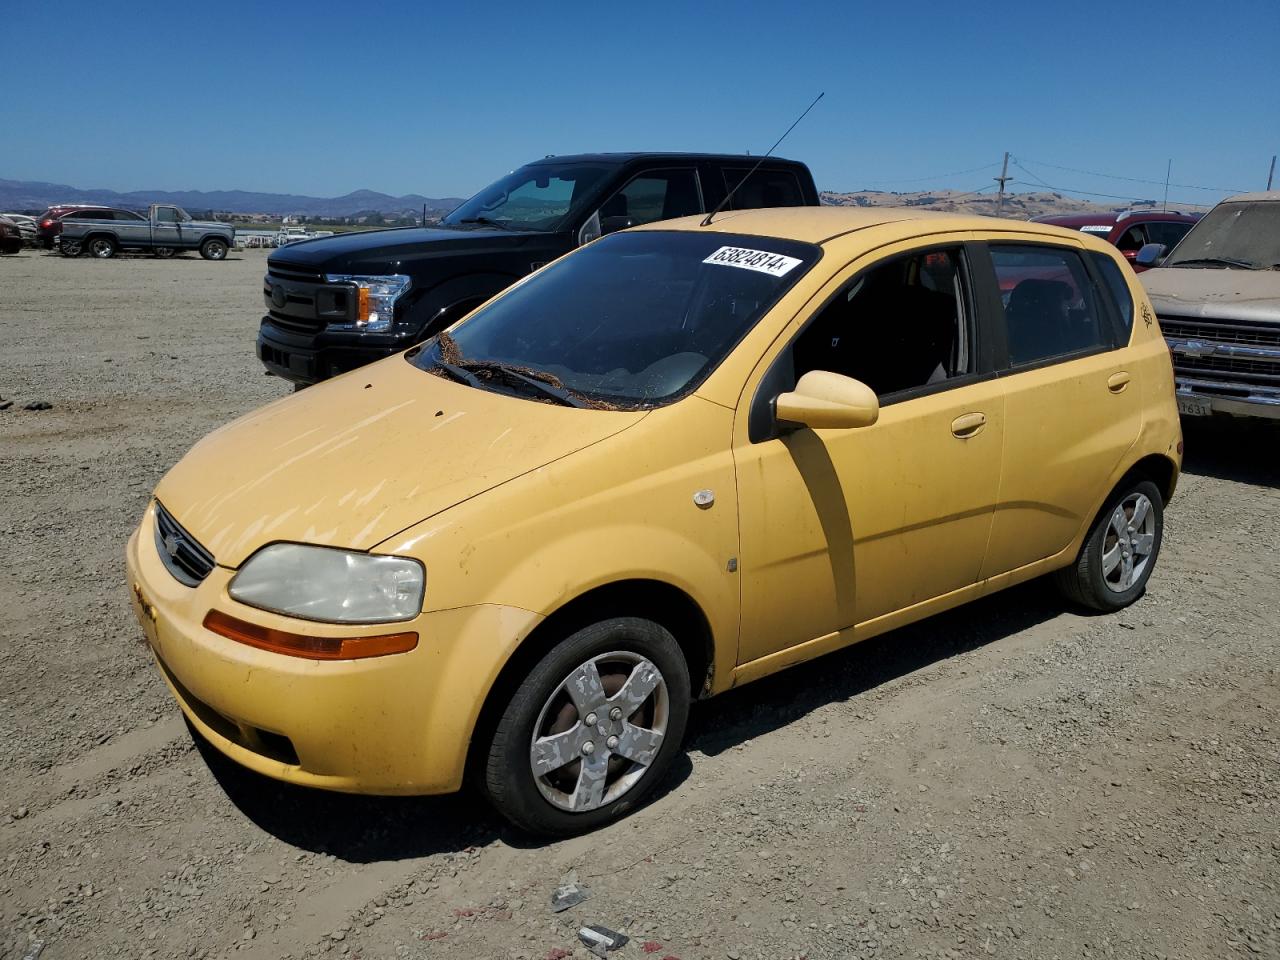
<point>1012,779</point>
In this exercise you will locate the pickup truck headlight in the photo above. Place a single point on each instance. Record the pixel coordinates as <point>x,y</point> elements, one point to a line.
<point>334,586</point>
<point>375,300</point>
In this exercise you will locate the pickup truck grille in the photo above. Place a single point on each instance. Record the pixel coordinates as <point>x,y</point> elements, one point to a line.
<point>1235,352</point>
<point>299,300</point>
<point>181,553</point>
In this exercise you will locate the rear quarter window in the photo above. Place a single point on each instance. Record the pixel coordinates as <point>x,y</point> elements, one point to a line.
<point>1117,291</point>
<point>764,188</point>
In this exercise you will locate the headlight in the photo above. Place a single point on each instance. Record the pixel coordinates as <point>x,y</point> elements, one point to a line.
<point>336,586</point>
<point>375,300</point>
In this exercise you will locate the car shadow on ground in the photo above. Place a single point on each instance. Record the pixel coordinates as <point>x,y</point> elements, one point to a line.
<point>361,829</point>
<point>1245,451</point>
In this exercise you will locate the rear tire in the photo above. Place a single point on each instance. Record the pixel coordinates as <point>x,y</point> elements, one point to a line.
<point>573,748</point>
<point>102,248</point>
<point>214,249</point>
<point>70,248</point>
<point>1119,554</point>
<point>164,253</point>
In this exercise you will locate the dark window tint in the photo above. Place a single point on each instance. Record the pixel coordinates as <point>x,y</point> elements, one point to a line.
<point>654,195</point>
<point>1132,239</point>
<point>1167,232</point>
<point>1119,289</point>
<point>128,215</point>
<point>166,215</point>
<point>764,188</point>
<point>896,327</point>
<point>1050,307</point>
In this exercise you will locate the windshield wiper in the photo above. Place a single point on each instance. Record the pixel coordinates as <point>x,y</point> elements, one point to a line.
<point>1225,261</point>
<point>485,221</point>
<point>466,370</point>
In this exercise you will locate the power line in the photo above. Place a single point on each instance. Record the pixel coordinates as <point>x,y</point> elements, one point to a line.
<point>1091,193</point>
<point>1113,176</point>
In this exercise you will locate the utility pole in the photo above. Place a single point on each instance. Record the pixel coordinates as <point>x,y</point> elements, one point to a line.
<point>1004,176</point>
<point>1273,171</point>
<point>1168,171</point>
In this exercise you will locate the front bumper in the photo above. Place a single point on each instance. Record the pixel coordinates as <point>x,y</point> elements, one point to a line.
<point>398,724</point>
<point>1197,397</point>
<point>311,357</point>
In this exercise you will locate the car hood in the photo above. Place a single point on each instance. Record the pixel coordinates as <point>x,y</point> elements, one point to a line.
<point>1211,293</point>
<point>354,460</point>
<point>377,251</point>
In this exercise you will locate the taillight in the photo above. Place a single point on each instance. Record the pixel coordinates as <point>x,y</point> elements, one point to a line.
<point>46,223</point>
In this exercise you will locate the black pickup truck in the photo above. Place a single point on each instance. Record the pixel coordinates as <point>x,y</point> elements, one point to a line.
<point>337,303</point>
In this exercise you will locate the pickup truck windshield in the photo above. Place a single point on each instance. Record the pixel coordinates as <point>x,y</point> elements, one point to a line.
<point>632,320</point>
<point>1244,235</point>
<point>536,197</point>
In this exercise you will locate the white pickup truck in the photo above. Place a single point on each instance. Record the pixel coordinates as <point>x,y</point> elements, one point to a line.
<point>165,231</point>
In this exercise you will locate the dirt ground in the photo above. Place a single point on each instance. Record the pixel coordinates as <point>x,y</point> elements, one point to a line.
<point>1013,779</point>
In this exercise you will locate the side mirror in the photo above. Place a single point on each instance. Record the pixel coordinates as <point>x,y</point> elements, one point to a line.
<point>1150,255</point>
<point>829,400</point>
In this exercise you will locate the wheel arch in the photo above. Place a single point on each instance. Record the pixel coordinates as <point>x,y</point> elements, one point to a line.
<point>1157,468</point>
<point>654,600</point>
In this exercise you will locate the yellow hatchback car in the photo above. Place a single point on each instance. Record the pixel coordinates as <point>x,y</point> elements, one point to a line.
<point>674,461</point>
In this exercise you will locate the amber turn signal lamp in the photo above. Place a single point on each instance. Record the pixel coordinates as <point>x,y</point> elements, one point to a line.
<point>300,645</point>
<point>362,299</point>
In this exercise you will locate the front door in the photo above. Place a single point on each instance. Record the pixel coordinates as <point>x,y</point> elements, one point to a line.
<point>166,227</point>
<point>841,527</point>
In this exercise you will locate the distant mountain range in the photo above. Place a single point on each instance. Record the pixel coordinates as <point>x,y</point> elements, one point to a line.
<point>18,195</point>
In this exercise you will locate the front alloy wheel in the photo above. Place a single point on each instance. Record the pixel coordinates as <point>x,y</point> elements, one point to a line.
<point>591,729</point>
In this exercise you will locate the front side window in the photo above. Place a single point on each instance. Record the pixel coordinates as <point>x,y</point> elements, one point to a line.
<point>653,195</point>
<point>896,327</point>
<point>542,196</point>
<point>1050,307</point>
<point>166,215</point>
<point>764,188</point>
<point>632,320</point>
<point>1167,232</point>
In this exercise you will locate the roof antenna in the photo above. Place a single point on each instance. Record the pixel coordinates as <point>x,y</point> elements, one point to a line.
<point>728,196</point>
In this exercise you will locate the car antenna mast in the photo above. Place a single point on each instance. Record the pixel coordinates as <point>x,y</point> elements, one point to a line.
<point>729,196</point>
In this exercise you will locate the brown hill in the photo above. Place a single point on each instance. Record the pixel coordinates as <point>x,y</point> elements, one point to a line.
<point>1017,206</point>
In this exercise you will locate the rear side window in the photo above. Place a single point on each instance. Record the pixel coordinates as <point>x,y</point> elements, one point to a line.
<point>1121,296</point>
<point>764,188</point>
<point>1051,308</point>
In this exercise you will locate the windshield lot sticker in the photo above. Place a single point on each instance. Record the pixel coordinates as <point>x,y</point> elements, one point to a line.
<point>762,261</point>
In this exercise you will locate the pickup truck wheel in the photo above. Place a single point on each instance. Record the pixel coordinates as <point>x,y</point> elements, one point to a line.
<point>102,248</point>
<point>592,728</point>
<point>214,249</point>
<point>164,253</point>
<point>70,249</point>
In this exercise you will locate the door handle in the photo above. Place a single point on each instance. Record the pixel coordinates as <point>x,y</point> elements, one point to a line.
<point>969,425</point>
<point>1118,381</point>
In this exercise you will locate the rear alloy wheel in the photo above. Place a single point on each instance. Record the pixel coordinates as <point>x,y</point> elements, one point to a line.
<point>102,248</point>
<point>213,249</point>
<point>70,248</point>
<point>591,729</point>
<point>164,253</point>
<point>1120,551</point>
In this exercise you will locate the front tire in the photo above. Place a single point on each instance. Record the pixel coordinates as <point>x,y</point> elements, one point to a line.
<point>591,729</point>
<point>214,249</point>
<point>102,248</point>
<point>70,249</point>
<point>164,253</point>
<point>1119,554</point>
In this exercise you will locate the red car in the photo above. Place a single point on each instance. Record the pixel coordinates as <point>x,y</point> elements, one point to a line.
<point>1131,230</point>
<point>49,224</point>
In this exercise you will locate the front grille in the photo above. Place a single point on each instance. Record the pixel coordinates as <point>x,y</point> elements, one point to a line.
<point>1255,335</point>
<point>1235,368</point>
<point>181,553</point>
<point>287,272</point>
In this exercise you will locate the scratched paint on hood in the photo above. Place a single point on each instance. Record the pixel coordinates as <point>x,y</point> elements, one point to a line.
<point>351,461</point>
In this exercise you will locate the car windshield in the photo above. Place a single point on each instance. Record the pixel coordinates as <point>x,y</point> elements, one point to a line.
<point>1245,234</point>
<point>543,196</point>
<point>631,320</point>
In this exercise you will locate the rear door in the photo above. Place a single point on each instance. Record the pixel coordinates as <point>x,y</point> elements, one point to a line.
<point>1072,408</point>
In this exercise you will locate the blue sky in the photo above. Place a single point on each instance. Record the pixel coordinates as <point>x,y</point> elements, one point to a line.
<point>322,97</point>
